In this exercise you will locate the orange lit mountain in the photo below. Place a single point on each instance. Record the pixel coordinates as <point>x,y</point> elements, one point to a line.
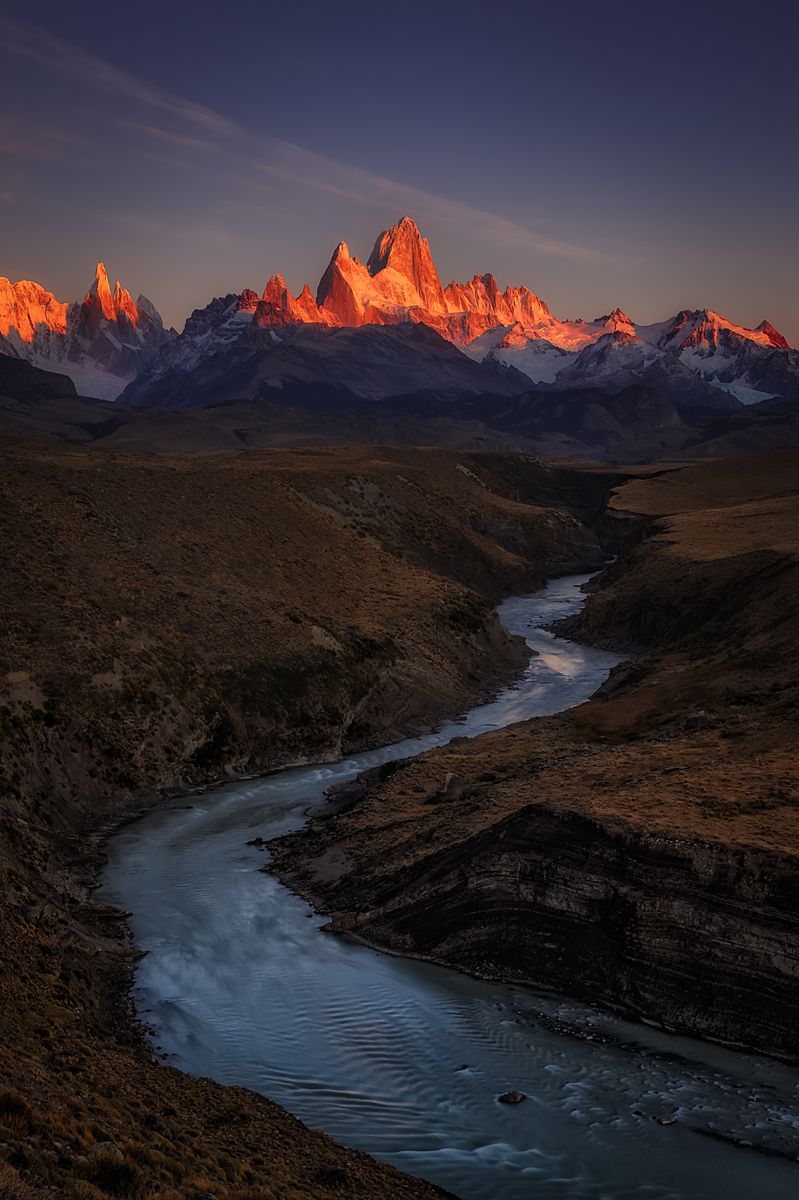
<point>27,307</point>
<point>101,343</point>
<point>399,282</point>
<point>699,357</point>
<point>488,340</point>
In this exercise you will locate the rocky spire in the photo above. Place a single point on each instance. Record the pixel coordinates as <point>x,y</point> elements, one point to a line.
<point>277,305</point>
<point>617,321</point>
<point>99,294</point>
<point>344,288</point>
<point>123,302</point>
<point>403,249</point>
<point>773,335</point>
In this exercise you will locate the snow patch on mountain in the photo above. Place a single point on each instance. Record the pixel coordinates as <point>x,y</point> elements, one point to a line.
<point>742,392</point>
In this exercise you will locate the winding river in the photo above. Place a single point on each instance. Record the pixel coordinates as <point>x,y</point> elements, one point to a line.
<point>404,1059</point>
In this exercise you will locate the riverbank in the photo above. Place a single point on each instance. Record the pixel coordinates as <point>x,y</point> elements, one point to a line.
<point>643,850</point>
<point>408,1060</point>
<point>171,622</point>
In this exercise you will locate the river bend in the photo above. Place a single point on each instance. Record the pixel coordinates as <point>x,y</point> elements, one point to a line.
<point>404,1059</point>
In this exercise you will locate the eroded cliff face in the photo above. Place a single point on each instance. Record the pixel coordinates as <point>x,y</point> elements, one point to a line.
<point>688,932</point>
<point>642,850</point>
<point>614,873</point>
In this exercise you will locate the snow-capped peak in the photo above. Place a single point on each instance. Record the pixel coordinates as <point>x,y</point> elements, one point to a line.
<point>617,319</point>
<point>100,342</point>
<point>773,335</point>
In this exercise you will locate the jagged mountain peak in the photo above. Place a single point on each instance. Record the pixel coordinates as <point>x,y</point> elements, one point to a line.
<point>704,327</point>
<point>27,310</point>
<point>247,301</point>
<point>399,282</point>
<point>709,316</point>
<point>397,242</point>
<point>123,302</point>
<point>105,304</point>
<point>773,335</point>
<point>99,294</point>
<point>99,341</point>
<point>487,281</point>
<point>403,249</point>
<point>617,317</point>
<point>277,305</point>
<point>276,289</point>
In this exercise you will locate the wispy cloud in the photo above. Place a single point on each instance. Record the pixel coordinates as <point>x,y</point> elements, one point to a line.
<point>202,232</point>
<point>168,160</point>
<point>166,135</point>
<point>41,141</point>
<point>42,46</point>
<point>288,175</point>
<point>249,153</point>
<point>296,164</point>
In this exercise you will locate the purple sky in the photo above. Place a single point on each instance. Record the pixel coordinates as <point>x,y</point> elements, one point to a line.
<point>641,155</point>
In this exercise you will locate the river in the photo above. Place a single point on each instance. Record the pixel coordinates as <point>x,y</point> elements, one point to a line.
<point>405,1060</point>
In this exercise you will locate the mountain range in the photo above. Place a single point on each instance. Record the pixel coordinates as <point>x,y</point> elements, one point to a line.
<point>698,358</point>
<point>388,332</point>
<point>101,342</point>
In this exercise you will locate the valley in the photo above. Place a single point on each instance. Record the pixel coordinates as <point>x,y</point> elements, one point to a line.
<point>404,1059</point>
<point>399,633</point>
<point>173,622</point>
<point>277,607</point>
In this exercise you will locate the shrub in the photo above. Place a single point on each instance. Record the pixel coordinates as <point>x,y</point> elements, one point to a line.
<point>115,1175</point>
<point>13,1187</point>
<point>15,1113</point>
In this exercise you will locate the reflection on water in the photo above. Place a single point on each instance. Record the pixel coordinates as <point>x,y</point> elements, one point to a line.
<point>405,1060</point>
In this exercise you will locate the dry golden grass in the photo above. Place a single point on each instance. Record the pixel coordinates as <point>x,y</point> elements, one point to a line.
<point>710,607</point>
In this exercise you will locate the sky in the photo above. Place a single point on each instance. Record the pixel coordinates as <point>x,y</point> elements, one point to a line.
<point>641,155</point>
